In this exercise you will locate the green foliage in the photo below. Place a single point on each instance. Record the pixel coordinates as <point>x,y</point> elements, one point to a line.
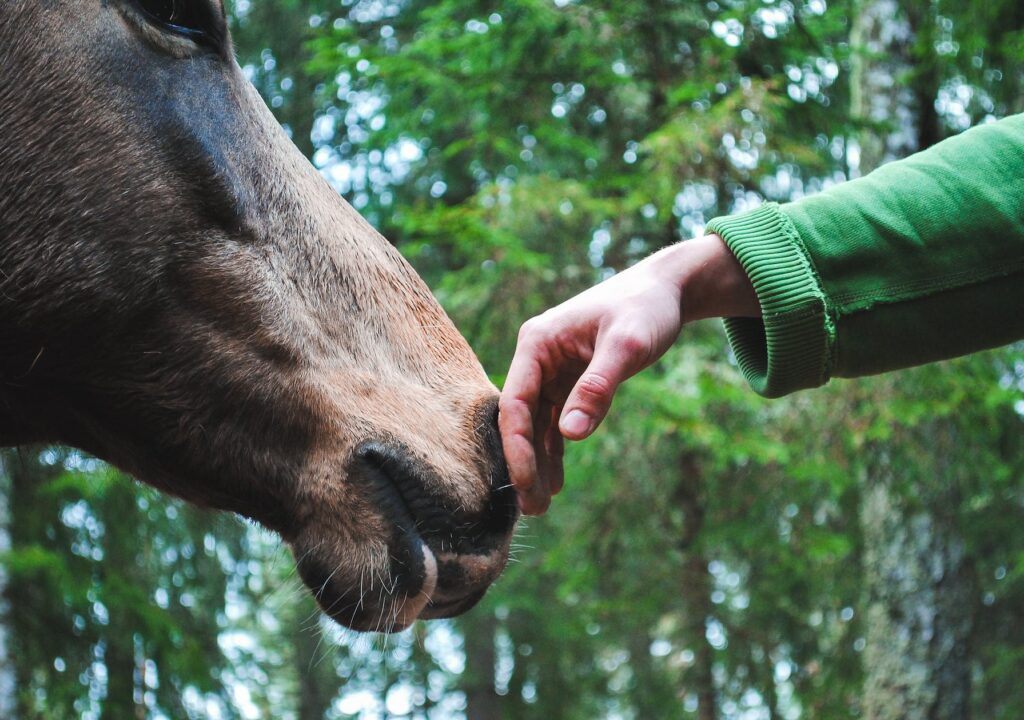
<point>114,589</point>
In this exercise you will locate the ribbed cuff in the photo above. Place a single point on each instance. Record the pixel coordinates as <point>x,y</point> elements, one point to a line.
<point>789,347</point>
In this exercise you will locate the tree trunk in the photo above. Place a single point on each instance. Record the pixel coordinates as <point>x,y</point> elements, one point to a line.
<point>7,685</point>
<point>314,670</point>
<point>119,659</point>
<point>27,603</point>
<point>920,586</point>
<point>482,702</point>
<point>120,517</point>
<point>926,77</point>
<point>695,589</point>
<point>918,580</point>
<point>880,38</point>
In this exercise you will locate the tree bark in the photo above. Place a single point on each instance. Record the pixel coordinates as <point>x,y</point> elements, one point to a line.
<point>119,659</point>
<point>926,77</point>
<point>879,38</point>
<point>7,684</point>
<point>919,586</point>
<point>920,590</point>
<point>24,599</point>
<point>315,675</point>
<point>695,589</point>
<point>124,694</point>
<point>482,702</point>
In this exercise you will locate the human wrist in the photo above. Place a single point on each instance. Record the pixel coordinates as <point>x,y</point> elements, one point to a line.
<point>709,279</point>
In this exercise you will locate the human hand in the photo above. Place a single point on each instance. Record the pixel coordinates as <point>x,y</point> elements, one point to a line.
<point>570,360</point>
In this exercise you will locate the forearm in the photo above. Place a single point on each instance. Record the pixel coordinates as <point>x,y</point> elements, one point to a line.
<point>919,261</point>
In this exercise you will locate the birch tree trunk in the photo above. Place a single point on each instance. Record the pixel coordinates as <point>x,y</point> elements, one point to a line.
<point>920,586</point>
<point>919,583</point>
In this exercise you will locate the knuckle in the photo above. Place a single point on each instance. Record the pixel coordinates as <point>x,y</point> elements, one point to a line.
<point>564,338</point>
<point>531,328</point>
<point>628,343</point>
<point>594,386</point>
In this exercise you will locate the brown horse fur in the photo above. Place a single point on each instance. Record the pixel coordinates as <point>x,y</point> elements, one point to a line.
<point>182,295</point>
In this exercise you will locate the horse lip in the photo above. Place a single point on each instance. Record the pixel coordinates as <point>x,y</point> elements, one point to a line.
<point>452,608</point>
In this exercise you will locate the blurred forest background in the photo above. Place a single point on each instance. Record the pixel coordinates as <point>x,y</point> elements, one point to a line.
<point>851,552</point>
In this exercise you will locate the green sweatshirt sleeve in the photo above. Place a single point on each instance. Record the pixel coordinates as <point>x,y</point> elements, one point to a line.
<point>921,260</point>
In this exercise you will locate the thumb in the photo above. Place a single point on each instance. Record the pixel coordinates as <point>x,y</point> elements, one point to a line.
<point>615,359</point>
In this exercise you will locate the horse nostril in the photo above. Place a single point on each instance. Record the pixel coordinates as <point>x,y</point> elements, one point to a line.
<point>397,485</point>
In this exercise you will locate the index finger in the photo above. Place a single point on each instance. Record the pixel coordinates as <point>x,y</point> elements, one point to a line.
<point>520,398</point>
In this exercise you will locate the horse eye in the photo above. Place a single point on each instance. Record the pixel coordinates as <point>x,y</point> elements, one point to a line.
<point>194,19</point>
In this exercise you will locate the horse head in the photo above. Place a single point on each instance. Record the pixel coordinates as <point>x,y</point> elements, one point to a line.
<point>183,295</point>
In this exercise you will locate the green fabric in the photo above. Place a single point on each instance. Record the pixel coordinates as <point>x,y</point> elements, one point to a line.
<point>921,260</point>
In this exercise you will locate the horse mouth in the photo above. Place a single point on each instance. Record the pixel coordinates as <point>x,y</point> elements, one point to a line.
<point>442,562</point>
<point>452,608</point>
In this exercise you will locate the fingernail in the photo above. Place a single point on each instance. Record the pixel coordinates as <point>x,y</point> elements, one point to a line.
<point>576,422</point>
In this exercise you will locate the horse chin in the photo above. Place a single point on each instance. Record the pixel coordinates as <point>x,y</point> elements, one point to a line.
<point>371,596</point>
<point>395,613</point>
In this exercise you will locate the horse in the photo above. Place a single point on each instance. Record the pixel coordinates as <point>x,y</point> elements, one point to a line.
<point>184,296</point>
